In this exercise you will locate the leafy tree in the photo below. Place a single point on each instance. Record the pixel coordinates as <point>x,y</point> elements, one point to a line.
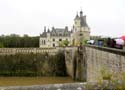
<point>1,45</point>
<point>66,42</point>
<point>15,40</point>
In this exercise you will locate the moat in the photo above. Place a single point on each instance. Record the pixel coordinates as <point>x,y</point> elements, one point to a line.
<point>25,81</point>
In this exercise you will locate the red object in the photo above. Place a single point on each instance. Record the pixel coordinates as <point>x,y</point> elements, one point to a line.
<point>123,37</point>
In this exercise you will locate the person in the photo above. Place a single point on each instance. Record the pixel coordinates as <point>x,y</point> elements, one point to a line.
<point>113,43</point>
<point>100,42</point>
<point>124,46</point>
<point>108,42</point>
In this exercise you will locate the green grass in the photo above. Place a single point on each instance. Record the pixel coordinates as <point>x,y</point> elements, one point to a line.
<point>23,81</point>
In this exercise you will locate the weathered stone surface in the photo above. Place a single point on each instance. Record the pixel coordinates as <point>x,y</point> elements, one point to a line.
<point>68,86</point>
<point>8,51</point>
<point>93,60</point>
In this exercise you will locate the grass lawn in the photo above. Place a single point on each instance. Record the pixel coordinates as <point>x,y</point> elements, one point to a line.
<point>23,81</point>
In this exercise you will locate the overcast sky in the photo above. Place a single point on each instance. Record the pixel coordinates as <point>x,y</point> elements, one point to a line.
<point>104,17</point>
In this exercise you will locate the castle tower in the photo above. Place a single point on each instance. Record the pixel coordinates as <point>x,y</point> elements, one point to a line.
<point>81,30</point>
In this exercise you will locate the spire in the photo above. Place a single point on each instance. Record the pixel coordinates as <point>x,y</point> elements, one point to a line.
<point>66,27</point>
<point>53,28</point>
<point>81,13</point>
<point>77,16</point>
<point>44,28</point>
<point>48,31</point>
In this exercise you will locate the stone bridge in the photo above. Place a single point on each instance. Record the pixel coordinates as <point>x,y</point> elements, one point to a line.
<point>85,64</point>
<point>88,63</point>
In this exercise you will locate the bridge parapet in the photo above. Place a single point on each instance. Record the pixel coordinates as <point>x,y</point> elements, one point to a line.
<point>68,86</point>
<point>89,62</point>
<point>101,60</point>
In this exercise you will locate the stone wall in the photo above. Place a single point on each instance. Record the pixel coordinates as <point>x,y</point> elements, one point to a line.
<point>84,63</point>
<point>71,86</point>
<point>76,63</point>
<point>102,59</point>
<point>5,51</point>
<point>69,58</point>
<point>87,63</point>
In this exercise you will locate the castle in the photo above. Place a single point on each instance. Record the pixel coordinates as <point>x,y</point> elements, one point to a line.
<point>79,33</point>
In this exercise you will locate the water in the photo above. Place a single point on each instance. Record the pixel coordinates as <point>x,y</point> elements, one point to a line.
<point>24,81</point>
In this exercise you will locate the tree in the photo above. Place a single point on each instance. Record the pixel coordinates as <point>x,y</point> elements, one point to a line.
<point>13,41</point>
<point>1,45</point>
<point>66,42</point>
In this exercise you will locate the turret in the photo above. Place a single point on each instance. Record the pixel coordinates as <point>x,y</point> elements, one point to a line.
<point>81,29</point>
<point>53,28</point>
<point>77,17</point>
<point>48,33</point>
<point>81,13</point>
<point>77,21</point>
<point>44,28</point>
<point>66,28</point>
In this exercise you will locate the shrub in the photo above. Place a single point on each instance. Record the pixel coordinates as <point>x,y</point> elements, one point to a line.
<point>32,65</point>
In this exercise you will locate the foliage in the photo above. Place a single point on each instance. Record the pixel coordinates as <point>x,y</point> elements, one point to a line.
<point>32,65</point>
<point>109,81</point>
<point>1,45</point>
<point>106,75</point>
<point>14,40</point>
<point>66,42</point>
<point>84,41</point>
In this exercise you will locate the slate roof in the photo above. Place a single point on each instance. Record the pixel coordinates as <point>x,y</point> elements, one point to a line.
<point>82,19</point>
<point>57,32</point>
<point>44,34</point>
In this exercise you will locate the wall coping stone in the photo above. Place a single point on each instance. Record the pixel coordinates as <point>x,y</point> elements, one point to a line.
<point>111,50</point>
<point>66,86</point>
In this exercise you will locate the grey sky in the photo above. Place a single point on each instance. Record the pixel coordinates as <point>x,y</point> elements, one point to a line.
<point>104,17</point>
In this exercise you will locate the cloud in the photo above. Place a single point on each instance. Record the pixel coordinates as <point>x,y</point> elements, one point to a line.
<point>105,17</point>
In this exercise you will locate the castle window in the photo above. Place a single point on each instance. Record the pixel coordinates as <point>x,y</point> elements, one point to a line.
<point>60,39</point>
<point>53,39</point>
<point>44,42</point>
<point>80,34</point>
<point>53,44</point>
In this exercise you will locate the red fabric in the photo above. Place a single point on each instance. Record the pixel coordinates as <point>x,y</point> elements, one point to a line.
<point>123,37</point>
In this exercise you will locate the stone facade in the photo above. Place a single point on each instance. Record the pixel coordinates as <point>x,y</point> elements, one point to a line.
<point>55,37</point>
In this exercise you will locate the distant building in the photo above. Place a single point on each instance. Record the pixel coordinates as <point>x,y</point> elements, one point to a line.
<point>78,34</point>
